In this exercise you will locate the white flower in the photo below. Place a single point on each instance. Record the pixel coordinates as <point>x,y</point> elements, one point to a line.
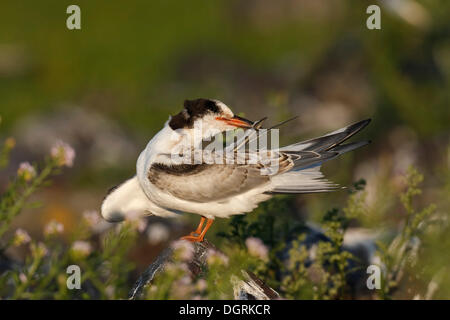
<point>256,248</point>
<point>53,228</point>
<point>21,237</point>
<point>82,248</point>
<point>157,233</point>
<point>26,171</point>
<point>63,153</point>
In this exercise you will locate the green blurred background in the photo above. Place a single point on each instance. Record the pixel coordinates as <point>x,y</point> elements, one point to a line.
<point>108,88</point>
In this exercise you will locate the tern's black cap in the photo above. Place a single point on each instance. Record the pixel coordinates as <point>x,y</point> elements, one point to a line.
<point>193,109</point>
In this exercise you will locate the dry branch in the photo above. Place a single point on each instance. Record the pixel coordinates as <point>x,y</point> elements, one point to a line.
<point>246,286</point>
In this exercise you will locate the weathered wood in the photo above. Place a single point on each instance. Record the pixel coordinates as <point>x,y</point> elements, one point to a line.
<point>246,287</point>
<point>252,288</point>
<point>149,274</point>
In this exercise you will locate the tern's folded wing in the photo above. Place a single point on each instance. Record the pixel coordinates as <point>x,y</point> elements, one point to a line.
<point>206,182</point>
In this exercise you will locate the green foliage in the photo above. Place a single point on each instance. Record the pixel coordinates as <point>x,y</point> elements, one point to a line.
<point>271,243</point>
<point>272,221</point>
<point>214,281</point>
<point>19,191</point>
<point>295,284</point>
<point>326,277</point>
<point>403,250</point>
<point>42,275</point>
<point>399,75</point>
<point>332,258</point>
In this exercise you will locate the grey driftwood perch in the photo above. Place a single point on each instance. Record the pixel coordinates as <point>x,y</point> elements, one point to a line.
<point>246,286</point>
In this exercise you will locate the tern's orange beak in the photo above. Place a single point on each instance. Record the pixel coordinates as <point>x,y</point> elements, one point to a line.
<point>237,122</point>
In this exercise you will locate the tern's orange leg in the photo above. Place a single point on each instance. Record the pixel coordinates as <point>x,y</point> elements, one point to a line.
<point>199,237</point>
<point>199,228</point>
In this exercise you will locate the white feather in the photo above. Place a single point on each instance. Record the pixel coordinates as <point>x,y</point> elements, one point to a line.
<point>306,180</point>
<point>140,195</point>
<point>128,200</point>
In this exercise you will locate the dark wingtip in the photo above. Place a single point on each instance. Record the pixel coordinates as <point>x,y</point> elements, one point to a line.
<point>356,127</point>
<point>359,125</point>
<point>350,131</point>
<point>367,121</point>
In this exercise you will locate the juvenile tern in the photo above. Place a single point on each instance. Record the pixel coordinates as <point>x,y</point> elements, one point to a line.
<point>165,187</point>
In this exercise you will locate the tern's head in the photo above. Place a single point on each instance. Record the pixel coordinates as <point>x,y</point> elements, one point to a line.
<point>212,116</point>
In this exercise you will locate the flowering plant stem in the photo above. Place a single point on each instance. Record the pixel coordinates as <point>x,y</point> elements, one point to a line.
<point>30,273</point>
<point>8,213</point>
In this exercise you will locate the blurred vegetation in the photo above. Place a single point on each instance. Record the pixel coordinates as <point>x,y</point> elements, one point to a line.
<point>131,65</point>
<point>107,269</point>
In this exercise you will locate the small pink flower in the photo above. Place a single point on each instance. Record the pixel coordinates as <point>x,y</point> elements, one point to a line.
<point>94,221</point>
<point>137,221</point>
<point>134,215</point>
<point>214,256</point>
<point>92,218</point>
<point>157,233</point>
<point>186,280</point>
<point>22,277</point>
<point>177,268</point>
<point>141,225</point>
<point>172,268</point>
<point>82,248</point>
<point>110,290</point>
<point>21,237</point>
<point>26,171</point>
<point>201,285</point>
<point>256,248</point>
<point>63,153</point>
<point>53,228</point>
<point>183,249</point>
<point>184,267</point>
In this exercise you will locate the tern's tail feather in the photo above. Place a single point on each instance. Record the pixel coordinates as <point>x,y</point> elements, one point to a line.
<point>308,156</point>
<point>328,141</point>
<point>305,181</point>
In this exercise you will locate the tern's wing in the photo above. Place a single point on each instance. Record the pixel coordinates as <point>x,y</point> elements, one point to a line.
<point>297,170</point>
<point>308,156</point>
<point>206,182</point>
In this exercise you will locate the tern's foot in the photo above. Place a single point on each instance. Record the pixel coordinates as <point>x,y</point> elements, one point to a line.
<point>193,238</point>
